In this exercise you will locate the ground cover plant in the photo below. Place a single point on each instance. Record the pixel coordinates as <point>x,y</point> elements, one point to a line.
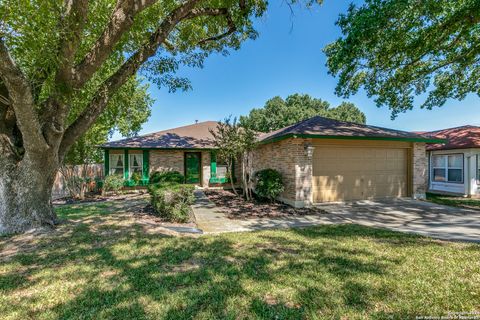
<point>470,203</point>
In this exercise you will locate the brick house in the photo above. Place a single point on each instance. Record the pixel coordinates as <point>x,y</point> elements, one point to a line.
<point>454,167</point>
<point>321,159</point>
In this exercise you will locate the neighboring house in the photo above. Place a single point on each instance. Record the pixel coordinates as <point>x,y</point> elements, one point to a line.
<point>454,166</point>
<point>320,159</point>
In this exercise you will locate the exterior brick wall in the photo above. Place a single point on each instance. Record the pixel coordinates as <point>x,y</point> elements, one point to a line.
<point>205,168</point>
<point>290,159</point>
<point>174,160</point>
<point>167,160</point>
<point>303,172</point>
<point>420,170</point>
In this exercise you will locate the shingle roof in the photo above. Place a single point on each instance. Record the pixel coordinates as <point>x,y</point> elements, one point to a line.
<point>324,128</point>
<point>195,136</point>
<point>198,136</point>
<point>458,138</point>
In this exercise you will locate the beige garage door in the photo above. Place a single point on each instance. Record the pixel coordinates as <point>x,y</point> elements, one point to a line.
<point>351,173</point>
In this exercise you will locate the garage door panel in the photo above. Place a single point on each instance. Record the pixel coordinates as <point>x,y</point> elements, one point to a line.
<point>349,173</point>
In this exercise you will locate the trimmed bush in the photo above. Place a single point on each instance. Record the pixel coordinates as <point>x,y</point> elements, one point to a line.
<point>269,184</point>
<point>113,183</point>
<point>166,176</point>
<point>172,201</point>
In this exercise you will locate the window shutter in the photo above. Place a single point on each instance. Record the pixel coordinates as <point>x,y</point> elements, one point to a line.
<point>126,170</point>
<point>106,162</point>
<point>146,164</point>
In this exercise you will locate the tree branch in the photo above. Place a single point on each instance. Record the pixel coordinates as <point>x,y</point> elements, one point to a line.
<point>231,29</point>
<point>72,27</point>
<point>198,12</point>
<point>55,110</point>
<point>21,99</point>
<point>127,70</point>
<point>120,22</point>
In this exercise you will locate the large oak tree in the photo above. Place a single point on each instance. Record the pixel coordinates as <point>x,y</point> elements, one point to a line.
<point>62,63</point>
<point>400,49</point>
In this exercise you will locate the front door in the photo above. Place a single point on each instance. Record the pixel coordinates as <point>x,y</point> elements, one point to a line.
<point>192,167</point>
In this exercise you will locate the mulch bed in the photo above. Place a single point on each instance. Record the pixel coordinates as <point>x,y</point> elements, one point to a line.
<point>236,207</point>
<point>96,197</point>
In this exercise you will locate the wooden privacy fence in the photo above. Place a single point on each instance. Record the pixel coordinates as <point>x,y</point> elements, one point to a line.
<point>63,180</point>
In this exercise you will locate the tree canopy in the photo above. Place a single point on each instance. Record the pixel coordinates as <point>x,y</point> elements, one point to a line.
<point>397,50</point>
<point>278,113</point>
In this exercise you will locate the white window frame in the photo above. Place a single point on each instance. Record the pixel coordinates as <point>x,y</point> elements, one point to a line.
<point>112,168</point>
<point>130,164</point>
<point>447,168</point>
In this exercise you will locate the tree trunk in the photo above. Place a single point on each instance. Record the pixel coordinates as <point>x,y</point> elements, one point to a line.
<point>25,195</point>
<point>230,166</point>
<point>246,194</point>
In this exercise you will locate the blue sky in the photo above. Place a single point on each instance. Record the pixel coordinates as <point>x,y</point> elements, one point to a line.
<point>287,58</point>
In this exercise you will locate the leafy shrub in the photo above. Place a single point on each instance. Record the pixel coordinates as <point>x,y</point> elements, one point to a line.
<point>98,184</point>
<point>166,176</point>
<point>136,177</point>
<point>113,182</point>
<point>172,200</point>
<point>269,184</point>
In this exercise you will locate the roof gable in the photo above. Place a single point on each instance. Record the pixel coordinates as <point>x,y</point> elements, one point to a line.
<point>195,136</point>
<point>322,127</point>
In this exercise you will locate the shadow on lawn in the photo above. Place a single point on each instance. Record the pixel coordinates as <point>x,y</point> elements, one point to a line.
<point>134,275</point>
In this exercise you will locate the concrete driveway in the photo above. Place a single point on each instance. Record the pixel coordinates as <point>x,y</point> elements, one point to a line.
<point>406,215</point>
<point>413,216</point>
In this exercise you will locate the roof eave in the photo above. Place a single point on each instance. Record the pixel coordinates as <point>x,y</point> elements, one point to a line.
<point>154,148</point>
<point>316,136</point>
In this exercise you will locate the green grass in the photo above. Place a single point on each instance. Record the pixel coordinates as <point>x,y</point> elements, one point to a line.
<point>101,267</point>
<point>454,201</point>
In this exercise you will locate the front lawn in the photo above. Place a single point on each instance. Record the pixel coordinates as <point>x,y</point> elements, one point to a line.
<point>461,202</point>
<point>105,265</point>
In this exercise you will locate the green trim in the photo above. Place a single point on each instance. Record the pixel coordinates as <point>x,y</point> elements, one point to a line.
<point>190,178</point>
<point>213,171</point>
<point>106,162</point>
<point>146,164</point>
<point>219,180</point>
<point>213,165</point>
<point>316,136</point>
<point>126,174</point>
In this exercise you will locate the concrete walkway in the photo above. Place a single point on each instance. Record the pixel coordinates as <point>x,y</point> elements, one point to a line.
<point>438,221</point>
<point>211,220</point>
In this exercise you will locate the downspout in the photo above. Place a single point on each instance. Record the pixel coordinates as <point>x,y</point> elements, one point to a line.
<point>468,174</point>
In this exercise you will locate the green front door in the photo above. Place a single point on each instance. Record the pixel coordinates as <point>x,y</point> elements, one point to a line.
<point>192,167</point>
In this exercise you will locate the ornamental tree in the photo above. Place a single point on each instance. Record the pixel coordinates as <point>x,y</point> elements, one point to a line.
<point>63,63</point>
<point>397,50</point>
<point>236,143</point>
